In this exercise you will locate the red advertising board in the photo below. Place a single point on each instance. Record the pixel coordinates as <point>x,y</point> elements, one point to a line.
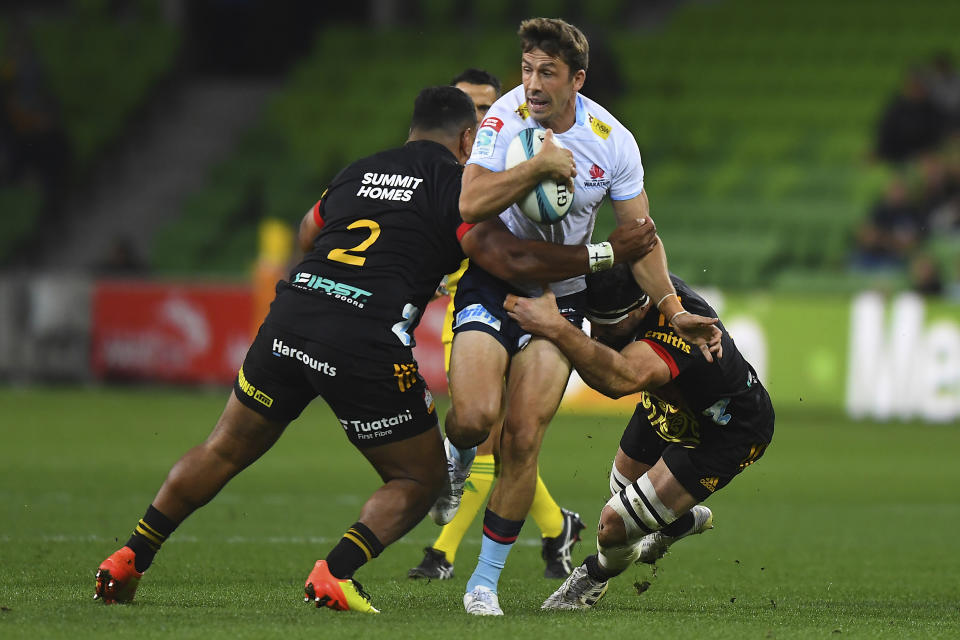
<point>429,349</point>
<point>170,332</point>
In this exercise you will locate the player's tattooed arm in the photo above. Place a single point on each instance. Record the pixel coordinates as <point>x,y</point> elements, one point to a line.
<point>491,246</point>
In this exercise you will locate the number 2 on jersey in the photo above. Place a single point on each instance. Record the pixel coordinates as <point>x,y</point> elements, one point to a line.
<point>345,255</point>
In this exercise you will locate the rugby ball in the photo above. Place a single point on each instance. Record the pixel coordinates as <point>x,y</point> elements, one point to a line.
<point>550,200</point>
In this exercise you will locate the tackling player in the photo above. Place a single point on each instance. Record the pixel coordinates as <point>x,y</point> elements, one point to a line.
<point>378,241</point>
<point>697,424</point>
<point>600,159</point>
<point>559,528</point>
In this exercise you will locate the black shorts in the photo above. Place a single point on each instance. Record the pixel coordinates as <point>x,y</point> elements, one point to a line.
<point>478,306</point>
<point>721,453</point>
<point>376,401</point>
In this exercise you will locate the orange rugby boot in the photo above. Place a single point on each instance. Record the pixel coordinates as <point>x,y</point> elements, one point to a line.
<point>325,590</point>
<point>117,578</point>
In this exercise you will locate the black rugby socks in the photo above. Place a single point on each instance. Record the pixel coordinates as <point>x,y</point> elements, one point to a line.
<point>358,546</point>
<point>151,532</point>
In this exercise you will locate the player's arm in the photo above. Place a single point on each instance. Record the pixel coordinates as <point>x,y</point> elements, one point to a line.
<point>310,227</point>
<point>612,373</point>
<point>492,247</point>
<point>652,275</point>
<point>485,193</point>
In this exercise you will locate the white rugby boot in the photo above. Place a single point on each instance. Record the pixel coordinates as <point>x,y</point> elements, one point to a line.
<point>578,591</point>
<point>482,602</point>
<point>655,545</point>
<point>445,508</point>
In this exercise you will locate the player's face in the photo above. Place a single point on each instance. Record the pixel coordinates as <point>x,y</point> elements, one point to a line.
<point>483,96</point>
<point>550,89</point>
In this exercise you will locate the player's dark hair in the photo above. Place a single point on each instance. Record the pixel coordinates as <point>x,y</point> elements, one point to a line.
<point>443,108</point>
<point>613,293</point>
<point>478,76</point>
<point>558,38</point>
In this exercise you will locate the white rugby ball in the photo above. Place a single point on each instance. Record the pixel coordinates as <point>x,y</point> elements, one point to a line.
<point>550,200</point>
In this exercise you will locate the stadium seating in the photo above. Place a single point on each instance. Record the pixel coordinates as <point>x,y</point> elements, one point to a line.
<point>755,121</point>
<point>99,70</point>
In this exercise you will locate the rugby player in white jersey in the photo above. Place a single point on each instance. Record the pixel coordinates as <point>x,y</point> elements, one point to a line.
<point>599,158</point>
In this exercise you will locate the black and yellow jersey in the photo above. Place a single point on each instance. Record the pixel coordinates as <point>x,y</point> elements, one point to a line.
<point>700,394</point>
<point>390,230</point>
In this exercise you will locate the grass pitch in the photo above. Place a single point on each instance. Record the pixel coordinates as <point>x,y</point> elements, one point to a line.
<point>843,529</point>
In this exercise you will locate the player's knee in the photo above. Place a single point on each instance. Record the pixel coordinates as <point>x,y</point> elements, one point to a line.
<point>611,531</point>
<point>470,421</point>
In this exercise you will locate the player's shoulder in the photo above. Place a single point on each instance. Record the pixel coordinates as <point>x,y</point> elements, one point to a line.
<point>509,112</point>
<point>600,122</point>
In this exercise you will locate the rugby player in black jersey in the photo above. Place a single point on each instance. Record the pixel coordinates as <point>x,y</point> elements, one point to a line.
<point>379,240</point>
<point>697,424</point>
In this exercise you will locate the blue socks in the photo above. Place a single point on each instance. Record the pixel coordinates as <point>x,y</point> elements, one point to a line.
<point>499,534</point>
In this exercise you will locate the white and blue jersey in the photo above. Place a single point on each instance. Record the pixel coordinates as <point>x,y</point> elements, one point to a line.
<point>607,158</point>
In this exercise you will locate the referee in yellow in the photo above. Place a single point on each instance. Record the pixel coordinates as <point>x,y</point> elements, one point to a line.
<point>559,528</point>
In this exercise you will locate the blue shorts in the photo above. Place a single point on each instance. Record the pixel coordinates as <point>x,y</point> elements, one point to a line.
<point>478,306</point>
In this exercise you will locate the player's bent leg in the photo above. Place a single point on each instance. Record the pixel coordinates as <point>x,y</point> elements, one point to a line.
<point>478,364</point>
<point>413,473</point>
<point>239,438</point>
<point>654,546</point>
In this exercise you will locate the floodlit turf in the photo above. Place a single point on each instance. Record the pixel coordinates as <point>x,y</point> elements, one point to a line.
<point>842,530</point>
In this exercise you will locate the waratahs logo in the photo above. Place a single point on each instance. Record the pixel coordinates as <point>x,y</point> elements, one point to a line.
<point>596,177</point>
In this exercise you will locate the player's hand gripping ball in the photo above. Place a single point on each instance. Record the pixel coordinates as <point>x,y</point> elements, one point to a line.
<point>550,200</point>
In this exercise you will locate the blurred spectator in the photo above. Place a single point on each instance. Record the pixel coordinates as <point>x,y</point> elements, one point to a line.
<point>894,229</point>
<point>36,144</point>
<point>911,124</point>
<point>925,275</point>
<point>944,86</point>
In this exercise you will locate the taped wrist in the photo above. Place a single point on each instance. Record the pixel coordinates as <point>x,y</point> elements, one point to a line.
<point>640,509</point>
<point>599,256</point>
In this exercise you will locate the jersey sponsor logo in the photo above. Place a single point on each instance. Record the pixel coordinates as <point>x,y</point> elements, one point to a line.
<point>668,338</point>
<point>487,137</point>
<point>596,172</point>
<point>476,313</point>
<point>342,292</point>
<point>428,401</point>
<point>597,177</point>
<point>523,111</point>
<point>252,391</point>
<point>710,483</point>
<point>388,186</point>
<point>599,127</point>
<point>379,428</point>
<point>280,350</point>
<point>494,123</point>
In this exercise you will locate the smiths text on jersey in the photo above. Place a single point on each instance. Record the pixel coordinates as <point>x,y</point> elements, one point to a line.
<point>342,292</point>
<point>388,186</point>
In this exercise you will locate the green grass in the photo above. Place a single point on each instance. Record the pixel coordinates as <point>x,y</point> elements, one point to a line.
<point>842,529</point>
